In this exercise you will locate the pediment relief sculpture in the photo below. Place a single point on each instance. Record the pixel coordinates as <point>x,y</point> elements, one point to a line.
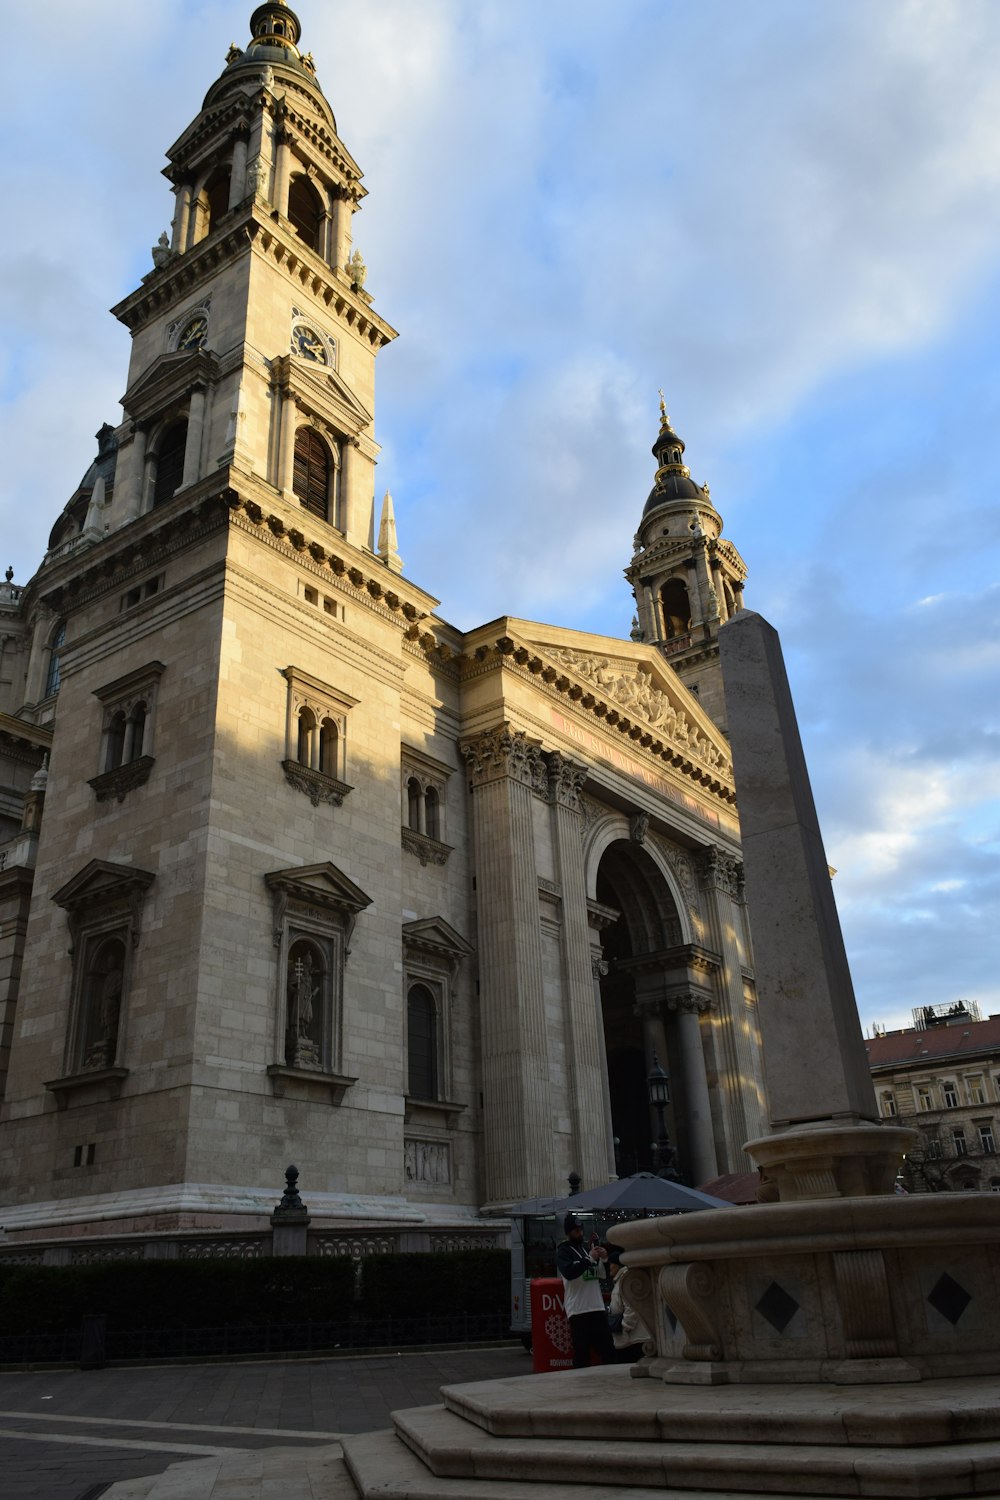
<point>635,689</point>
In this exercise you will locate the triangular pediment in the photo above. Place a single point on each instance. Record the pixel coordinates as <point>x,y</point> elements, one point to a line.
<point>434,934</point>
<point>169,376</point>
<point>324,386</point>
<point>319,885</point>
<point>633,680</point>
<point>100,883</point>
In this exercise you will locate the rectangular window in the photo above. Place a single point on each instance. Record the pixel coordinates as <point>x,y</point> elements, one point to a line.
<point>975,1090</point>
<point>961,1149</point>
<point>888,1104</point>
<point>986,1140</point>
<point>950,1095</point>
<point>934,1150</point>
<point>924,1099</point>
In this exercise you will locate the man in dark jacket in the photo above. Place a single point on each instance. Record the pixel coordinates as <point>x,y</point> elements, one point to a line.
<point>588,1319</point>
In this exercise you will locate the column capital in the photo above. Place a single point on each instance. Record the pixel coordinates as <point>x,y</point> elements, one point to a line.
<point>504,753</point>
<point>566,779</point>
<point>720,871</point>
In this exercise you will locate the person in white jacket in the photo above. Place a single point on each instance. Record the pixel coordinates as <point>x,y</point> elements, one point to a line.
<point>629,1337</point>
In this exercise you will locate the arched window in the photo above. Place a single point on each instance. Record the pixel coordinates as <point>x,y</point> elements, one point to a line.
<point>53,676</point>
<point>116,741</point>
<point>170,461</point>
<point>311,472</point>
<point>413,804</point>
<point>217,196</point>
<point>305,211</point>
<point>421,1043</point>
<point>328,747</point>
<point>432,813</point>
<point>306,993</point>
<point>101,1009</point>
<point>307,735</point>
<point>676,608</point>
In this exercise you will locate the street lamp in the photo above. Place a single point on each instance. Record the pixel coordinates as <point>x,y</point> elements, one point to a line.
<point>658,1087</point>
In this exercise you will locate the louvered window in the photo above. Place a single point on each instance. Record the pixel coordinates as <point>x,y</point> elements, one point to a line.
<point>170,462</point>
<point>311,476</point>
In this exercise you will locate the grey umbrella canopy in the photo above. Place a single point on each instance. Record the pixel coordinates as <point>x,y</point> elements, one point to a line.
<point>637,1194</point>
<point>645,1192</point>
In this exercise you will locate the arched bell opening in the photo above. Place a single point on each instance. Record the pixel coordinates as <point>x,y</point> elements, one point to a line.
<point>676,609</point>
<point>305,212</point>
<point>643,950</point>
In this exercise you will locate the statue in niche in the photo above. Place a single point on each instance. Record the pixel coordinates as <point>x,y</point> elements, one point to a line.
<point>301,1049</point>
<point>102,1007</point>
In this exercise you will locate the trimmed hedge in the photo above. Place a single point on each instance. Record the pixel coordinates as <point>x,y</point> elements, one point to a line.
<point>169,1294</point>
<point>178,1294</point>
<point>447,1281</point>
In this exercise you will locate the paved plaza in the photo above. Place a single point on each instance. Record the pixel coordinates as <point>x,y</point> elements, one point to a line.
<point>65,1433</point>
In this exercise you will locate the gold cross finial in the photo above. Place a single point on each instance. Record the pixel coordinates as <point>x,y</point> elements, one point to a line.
<point>664,419</point>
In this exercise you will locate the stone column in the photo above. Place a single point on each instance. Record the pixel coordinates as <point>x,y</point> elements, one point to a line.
<point>238,177</point>
<point>341,229</point>
<point>195,436</point>
<point>702,1163</point>
<point>599,971</point>
<point>282,171</point>
<point>720,590</point>
<point>827,1140</point>
<point>138,471</point>
<point>584,1033</point>
<point>506,771</point>
<point>182,218</point>
<point>703,575</point>
<point>720,877</point>
<point>286,443</point>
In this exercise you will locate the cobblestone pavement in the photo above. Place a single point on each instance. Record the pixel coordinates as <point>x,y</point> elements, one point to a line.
<point>64,1433</point>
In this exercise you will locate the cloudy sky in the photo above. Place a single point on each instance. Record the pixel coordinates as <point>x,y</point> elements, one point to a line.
<point>787,214</point>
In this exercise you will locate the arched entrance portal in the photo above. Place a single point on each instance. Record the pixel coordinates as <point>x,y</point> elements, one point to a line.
<point>649,1004</point>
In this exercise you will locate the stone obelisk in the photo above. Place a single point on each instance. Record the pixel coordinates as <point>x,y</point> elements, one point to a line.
<point>826,1139</point>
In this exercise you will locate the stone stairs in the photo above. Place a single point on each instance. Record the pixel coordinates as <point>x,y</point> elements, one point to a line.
<point>309,1473</point>
<point>547,1435</point>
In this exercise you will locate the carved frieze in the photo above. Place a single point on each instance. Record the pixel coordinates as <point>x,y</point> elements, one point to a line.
<point>427,1161</point>
<point>429,851</point>
<point>502,753</point>
<point>316,785</point>
<point>633,687</point>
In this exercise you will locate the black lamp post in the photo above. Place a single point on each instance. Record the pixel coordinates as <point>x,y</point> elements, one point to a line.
<point>658,1086</point>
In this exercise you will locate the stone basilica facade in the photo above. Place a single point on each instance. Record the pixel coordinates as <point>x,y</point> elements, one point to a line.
<point>291,869</point>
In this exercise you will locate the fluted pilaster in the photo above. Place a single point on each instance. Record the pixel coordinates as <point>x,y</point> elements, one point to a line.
<point>506,769</point>
<point>592,1148</point>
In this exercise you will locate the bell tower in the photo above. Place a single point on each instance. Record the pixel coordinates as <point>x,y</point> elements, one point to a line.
<point>686,577</point>
<point>253,338</point>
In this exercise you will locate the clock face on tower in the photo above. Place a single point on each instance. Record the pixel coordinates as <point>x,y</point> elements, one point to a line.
<point>307,342</point>
<point>194,334</point>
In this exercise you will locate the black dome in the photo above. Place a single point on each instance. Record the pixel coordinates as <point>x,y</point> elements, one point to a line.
<point>671,486</point>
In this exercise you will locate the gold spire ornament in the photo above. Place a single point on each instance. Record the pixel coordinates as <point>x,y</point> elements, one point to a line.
<point>664,419</point>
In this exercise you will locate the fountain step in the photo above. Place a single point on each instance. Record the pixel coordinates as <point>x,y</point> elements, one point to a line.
<point>451,1447</point>
<point>606,1403</point>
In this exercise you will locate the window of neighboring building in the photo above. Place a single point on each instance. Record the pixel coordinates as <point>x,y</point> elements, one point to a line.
<point>53,674</point>
<point>421,1043</point>
<point>888,1101</point>
<point>934,1149</point>
<point>995,1184</point>
<point>975,1091</point>
<point>170,461</point>
<point>950,1095</point>
<point>924,1101</point>
<point>958,1137</point>
<point>986,1142</point>
<point>311,473</point>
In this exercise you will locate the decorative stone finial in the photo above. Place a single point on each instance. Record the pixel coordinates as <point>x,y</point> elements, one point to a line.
<point>40,780</point>
<point>290,1200</point>
<point>357,270</point>
<point>234,53</point>
<point>635,633</point>
<point>9,575</point>
<point>162,252</point>
<point>575,1183</point>
<point>388,544</point>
